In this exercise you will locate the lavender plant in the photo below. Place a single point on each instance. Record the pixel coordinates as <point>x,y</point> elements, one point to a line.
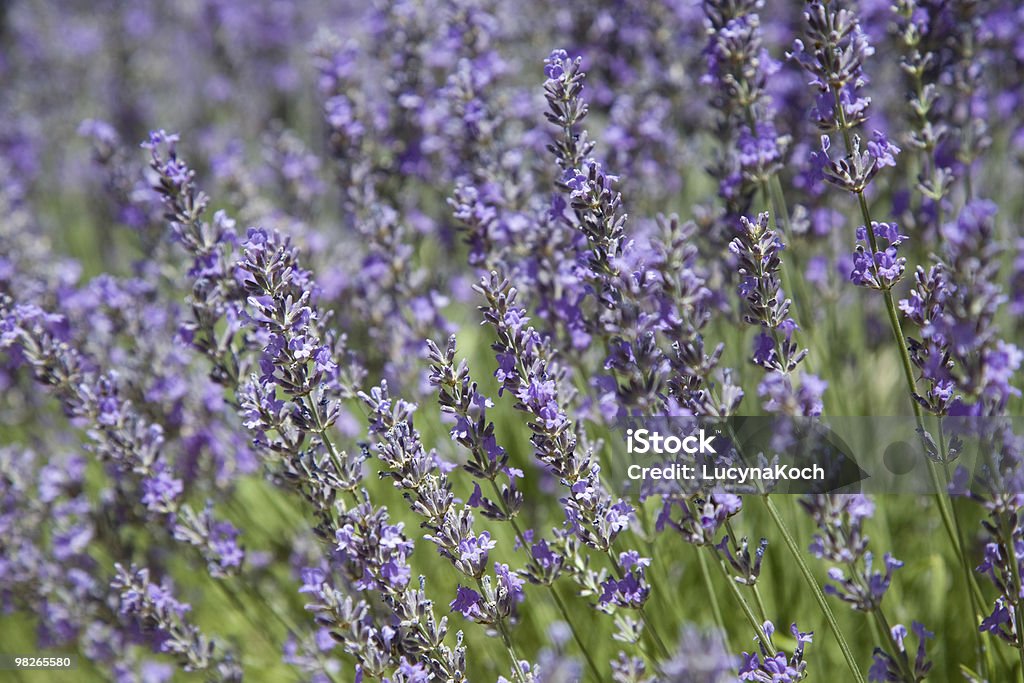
<point>331,385</point>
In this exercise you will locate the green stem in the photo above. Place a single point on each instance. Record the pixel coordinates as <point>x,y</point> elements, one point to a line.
<point>897,330</point>
<point>967,56</point>
<point>760,602</point>
<point>890,303</point>
<point>321,430</point>
<point>243,608</point>
<point>779,199</point>
<point>716,609</point>
<point>812,583</point>
<point>949,521</point>
<point>781,217</point>
<point>576,636</point>
<point>974,593</point>
<point>658,642</point>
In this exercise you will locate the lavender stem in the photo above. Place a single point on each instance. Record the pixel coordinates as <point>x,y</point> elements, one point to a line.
<point>758,626</point>
<point>948,517</point>
<point>716,609</point>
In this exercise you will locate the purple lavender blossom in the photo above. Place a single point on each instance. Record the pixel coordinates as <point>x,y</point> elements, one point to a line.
<point>856,581</point>
<point>701,657</point>
<point>458,396</point>
<point>768,667</point>
<point>158,612</point>
<point>833,52</point>
<point>757,252</point>
<point>590,511</point>
<point>738,68</point>
<point>954,304</point>
<point>883,268</point>
<point>121,436</point>
<point>887,668</point>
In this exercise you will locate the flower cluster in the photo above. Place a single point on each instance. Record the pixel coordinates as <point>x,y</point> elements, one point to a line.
<point>757,252</point>
<point>458,396</point>
<point>841,541</point>
<point>873,266</point>
<point>858,168</point>
<point>886,667</point>
<point>120,435</point>
<point>767,666</point>
<point>833,50</point>
<point>758,263</point>
<point>527,370</point>
<point>296,360</point>
<point>423,478</point>
<point>924,304</point>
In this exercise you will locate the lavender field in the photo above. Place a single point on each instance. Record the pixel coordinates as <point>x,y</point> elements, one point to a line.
<point>320,323</point>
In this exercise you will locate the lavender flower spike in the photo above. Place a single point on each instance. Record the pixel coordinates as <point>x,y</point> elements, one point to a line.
<point>161,615</point>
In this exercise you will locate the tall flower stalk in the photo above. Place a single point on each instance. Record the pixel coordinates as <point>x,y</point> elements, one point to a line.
<point>739,66</point>
<point>834,55</point>
<point>528,370</point>
<point>459,397</point>
<point>969,381</point>
<point>833,52</point>
<point>757,252</point>
<point>153,606</point>
<point>423,478</point>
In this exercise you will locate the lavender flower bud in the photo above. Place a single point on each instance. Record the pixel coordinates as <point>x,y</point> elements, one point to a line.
<point>567,109</point>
